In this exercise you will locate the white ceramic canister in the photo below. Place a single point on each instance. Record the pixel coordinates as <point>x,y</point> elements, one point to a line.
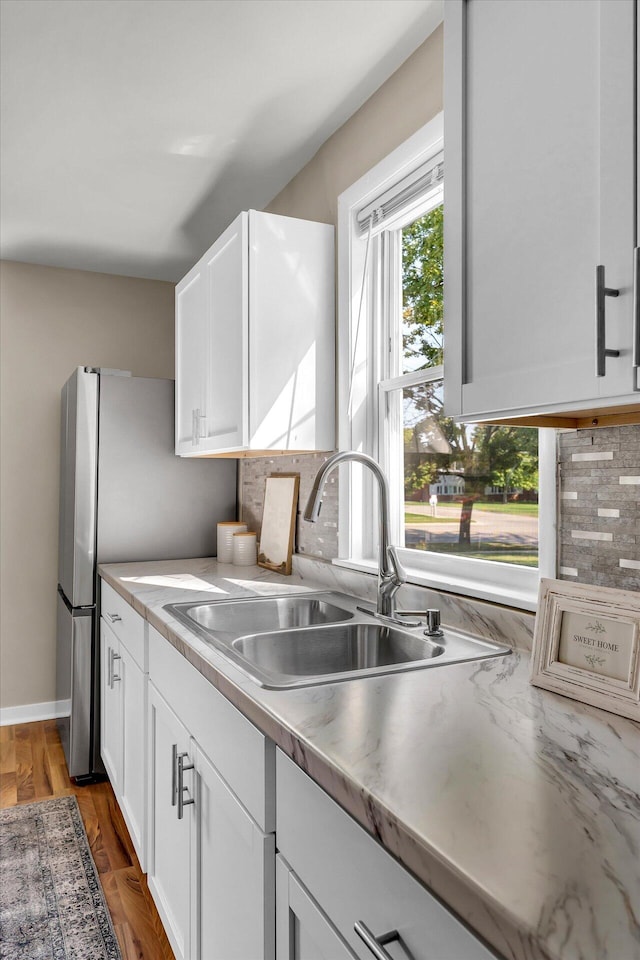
<point>226,530</point>
<point>245,549</point>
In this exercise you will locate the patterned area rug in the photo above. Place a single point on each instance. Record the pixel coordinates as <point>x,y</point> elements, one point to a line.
<point>51,902</point>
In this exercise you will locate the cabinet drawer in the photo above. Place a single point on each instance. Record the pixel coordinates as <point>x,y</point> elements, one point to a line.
<point>243,756</point>
<point>128,626</point>
<point>353,878</point>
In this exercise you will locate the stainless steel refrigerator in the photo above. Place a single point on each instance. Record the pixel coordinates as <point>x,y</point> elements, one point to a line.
<point>124,495</point>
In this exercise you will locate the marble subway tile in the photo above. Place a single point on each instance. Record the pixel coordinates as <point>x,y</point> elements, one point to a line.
<point>591,535</point>
<point>607,503</point>
<point>592,455</point>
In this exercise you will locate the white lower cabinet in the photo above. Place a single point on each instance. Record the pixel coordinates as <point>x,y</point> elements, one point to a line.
<point>123,713</point>
<point>170,829</point>
<point>112,745</point>
<point>303,932</point>
<point>235,876</point>
<point>211,849</point>
<point>134,726</point>
<point>344,879</point>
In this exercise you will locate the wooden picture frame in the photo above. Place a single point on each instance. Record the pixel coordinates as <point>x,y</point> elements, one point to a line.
<point>279,522</point>
<point>586,645</point>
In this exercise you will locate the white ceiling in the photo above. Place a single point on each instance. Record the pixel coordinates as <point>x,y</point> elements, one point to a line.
<point>133,131</point>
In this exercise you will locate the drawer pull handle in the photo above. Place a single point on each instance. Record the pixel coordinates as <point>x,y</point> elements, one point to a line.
<point>114,617</point>
<point>376,944</point>
<point>602,351</point>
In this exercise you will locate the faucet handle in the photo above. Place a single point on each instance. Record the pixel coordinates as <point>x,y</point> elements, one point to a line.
<point>400,574</point>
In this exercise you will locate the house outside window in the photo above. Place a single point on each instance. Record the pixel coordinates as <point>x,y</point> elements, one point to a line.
<point>471,504</point>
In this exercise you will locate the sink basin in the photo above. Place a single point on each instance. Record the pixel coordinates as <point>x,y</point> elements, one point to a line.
<point>323,637</point>
<point>262,614</point>
<point>345,648</point>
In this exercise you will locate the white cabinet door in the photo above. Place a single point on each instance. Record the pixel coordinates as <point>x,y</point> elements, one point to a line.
<point>134,727</point>
<point>225,269</point>
<point>236,880</point>
<point>111,705</point>
<point>170,837</point>
<point>212,348</point>
<point>303,931</point>
<point>539,140</point>
<point>191,359</point>
<point>255,351</point>
<point>291,333</point>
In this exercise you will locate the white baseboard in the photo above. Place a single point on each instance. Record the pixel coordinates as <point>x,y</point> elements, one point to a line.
<point>34,711</point>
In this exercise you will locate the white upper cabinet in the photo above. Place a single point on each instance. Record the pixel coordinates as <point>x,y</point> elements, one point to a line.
<point>540,134</point>
<point>255,351</point>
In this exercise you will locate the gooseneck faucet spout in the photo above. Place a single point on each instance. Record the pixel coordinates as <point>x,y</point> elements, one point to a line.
<point>390,573</point>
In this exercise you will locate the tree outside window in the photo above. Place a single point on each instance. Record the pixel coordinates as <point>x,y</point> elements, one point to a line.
<point>484,477</point>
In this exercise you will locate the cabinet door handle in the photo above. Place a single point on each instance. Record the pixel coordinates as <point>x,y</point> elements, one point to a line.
<point>114,676</point>
<point>636,317</point>
<point>174,774</point>
<point>113,617</point>
<point>109,668</point>
<point>602,352</point>
<point>182,803</point>
<point>200,425</point>
<point>376,944</point>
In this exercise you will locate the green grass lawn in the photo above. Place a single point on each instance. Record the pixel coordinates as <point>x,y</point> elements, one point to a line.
<point>521,509</point>
<point>517,509</point>
<point>424,518</point>
<point>522,559</point>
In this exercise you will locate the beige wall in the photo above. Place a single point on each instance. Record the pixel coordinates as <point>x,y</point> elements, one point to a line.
<point>51,321</point>
<point>410,98</point>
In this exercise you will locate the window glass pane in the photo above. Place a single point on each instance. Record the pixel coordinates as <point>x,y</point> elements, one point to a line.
<point>422,286</point>
<point>469,489</point>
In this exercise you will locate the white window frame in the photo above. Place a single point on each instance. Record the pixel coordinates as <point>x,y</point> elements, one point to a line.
<point>362,381</point>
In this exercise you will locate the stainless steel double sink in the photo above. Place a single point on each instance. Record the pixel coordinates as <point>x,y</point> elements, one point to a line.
<point>307,639</point>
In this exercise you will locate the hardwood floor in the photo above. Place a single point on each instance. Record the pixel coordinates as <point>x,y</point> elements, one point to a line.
<point>32,767</point>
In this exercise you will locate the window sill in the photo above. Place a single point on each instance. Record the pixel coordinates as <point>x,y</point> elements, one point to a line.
<point>522,596</point>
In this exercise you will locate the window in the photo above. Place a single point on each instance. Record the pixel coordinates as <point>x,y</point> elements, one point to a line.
<point>465,497</point>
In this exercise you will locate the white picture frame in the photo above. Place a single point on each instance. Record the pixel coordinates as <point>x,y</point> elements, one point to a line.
<point>586,645</point>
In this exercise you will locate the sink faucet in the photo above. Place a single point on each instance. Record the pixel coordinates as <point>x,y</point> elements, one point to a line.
<point>391,576</point>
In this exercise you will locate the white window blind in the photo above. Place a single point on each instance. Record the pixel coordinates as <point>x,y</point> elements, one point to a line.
<point>415,187</point>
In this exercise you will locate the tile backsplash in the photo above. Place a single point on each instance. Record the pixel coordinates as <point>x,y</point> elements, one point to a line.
<point>318,539</point>
<point>598,504</point>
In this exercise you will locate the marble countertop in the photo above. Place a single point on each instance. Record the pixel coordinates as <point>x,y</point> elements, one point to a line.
<point>518,807</point>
